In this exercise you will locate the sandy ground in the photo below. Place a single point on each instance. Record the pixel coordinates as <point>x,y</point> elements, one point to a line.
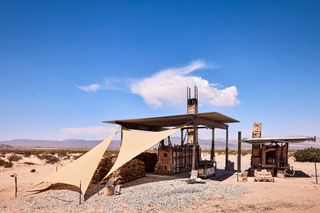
<point>26,179</point>
<point>299,194</point>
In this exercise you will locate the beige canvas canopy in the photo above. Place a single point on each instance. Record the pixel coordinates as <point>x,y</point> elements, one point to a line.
<point>81,169</point>
<point>134,142</point>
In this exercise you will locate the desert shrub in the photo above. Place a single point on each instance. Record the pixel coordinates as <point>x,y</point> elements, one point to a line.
<point>308,155</point>
<point>5,164</point>
<point>29,163</point>
<point>233,152</point>
<point>66,157</point>
<point>77,156</point>
<point>245,152</point>
<point>26,154</point>
<point>14,157</point>
<point>32,170</point>
<point>49,158</point>
<point>219,152</point>
<point>62,153</point>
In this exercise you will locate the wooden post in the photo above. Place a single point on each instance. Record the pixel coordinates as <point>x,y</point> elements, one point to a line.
<point>272,170</point>
<point>239,152</point>
<point>315,169</point>
<point>195,141</point>
<point>194,148</point>
<point>121,136</point>
<point>80,192</point>
<point>227,147</point>
<point>181,136</point>
<point>15,185</point>
<point>239,156</point>
<point>212,154</point>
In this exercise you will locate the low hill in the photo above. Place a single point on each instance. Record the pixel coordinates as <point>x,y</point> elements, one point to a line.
<point>79,143</point>
<point>5,146</point>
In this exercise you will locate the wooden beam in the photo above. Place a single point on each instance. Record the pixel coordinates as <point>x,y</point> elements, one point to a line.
<point>141,127</point>
<point>209,123</point>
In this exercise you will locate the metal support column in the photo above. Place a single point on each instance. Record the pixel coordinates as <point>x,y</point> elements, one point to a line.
<point>212,154</point>
<point>227,147</point>
<point>239,152</point>
<point>194,164</point>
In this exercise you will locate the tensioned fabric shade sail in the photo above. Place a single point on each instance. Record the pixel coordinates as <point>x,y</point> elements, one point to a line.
<point>134,142</point>
<point>83,168</point>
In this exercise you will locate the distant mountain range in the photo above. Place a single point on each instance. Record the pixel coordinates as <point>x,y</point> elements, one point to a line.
<point>79,143</point>
<point>68,143</point>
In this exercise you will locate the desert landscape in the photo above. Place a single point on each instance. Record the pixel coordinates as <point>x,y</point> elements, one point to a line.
<point>156,193</point>
<point>159,106</point>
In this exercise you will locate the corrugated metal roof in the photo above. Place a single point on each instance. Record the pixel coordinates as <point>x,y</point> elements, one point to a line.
<point>290,139</point>
<point>176,120</point>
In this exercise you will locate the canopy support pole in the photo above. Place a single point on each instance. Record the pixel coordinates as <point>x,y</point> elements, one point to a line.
<point>212,154</point>
<point>227,147</point>
<point>239,152</point>
<point>194,166</point>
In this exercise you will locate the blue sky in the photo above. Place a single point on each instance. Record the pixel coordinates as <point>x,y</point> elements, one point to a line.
<point>255,60</point>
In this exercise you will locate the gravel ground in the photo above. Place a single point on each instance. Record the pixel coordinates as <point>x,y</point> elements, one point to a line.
<point>165,196</point>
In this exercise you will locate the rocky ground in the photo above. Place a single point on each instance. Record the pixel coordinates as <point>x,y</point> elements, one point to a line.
<point>168,195</point>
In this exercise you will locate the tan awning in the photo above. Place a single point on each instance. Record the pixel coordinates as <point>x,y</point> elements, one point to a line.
<point>135,142</point>
<point>83,168</point>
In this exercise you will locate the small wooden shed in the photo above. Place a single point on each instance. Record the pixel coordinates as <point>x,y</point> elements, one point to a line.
<point>272,153</point>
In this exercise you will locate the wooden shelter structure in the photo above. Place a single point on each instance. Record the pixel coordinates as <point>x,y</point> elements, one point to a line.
<point>209,120</point>
<point>272,153</point>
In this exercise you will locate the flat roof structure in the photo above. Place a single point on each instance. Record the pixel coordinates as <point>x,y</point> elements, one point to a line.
<point>209,119</point>
<point>278,140</point>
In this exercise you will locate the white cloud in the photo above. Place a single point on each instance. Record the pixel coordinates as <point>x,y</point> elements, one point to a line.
<point>89,132</point>
<point>168,87</point>
<point>90,87</point>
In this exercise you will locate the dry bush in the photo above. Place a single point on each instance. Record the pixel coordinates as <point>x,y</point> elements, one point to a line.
<point>308,155</point>
<point>49,158</point>
<point>29,163</point>
<point>14,158</point>
<point>5,164</point>
<point>245,152</point>
<point>219,152</point>
<point>75,157</point>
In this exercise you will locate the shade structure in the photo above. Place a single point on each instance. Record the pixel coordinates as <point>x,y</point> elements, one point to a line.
<point>82,169</point>
<point>134,142</point>
<point>209,119</point>
<point>292,139</point>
